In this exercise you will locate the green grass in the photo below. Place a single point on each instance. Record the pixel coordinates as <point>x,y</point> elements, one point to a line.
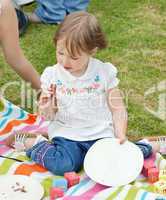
<point>136,33</point>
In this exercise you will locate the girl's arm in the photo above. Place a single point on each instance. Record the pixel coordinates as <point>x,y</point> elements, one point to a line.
<point>9,38</point>
<point>119,113</point>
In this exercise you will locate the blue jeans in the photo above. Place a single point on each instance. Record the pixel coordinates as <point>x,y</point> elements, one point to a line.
<point>63,155</point>
<point>145,148</point>
<point>54,11</point>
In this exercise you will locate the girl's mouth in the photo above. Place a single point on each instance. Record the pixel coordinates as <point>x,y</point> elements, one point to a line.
<point>68,68</point>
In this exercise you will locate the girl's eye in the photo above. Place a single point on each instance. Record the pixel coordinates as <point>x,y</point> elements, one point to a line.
<point>60,53</point>
<point>75,58</point>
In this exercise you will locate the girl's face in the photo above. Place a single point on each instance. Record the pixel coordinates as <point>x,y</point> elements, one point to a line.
<point>76,66</point>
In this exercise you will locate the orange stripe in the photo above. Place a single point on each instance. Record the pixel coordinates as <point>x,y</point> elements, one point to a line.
<point>31,119</point>
<point>26,169</point>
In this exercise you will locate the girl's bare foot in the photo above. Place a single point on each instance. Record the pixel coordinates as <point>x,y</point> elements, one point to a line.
<point>159,144</point>
<point>18,138</point>
<point>29,142</point>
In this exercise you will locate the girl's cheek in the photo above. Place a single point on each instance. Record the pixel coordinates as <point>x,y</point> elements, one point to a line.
<point>59,60</point>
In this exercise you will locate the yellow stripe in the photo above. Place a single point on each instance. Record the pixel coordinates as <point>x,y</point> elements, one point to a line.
<point>114,194</point>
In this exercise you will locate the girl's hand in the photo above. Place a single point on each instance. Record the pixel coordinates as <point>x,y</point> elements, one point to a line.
<point>47,105</point>
<point>122,139</point>
<point>46,110</point>
<point>52,92</point>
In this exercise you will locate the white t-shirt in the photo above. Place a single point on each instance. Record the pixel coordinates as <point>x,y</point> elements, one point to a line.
<point>83,112</point>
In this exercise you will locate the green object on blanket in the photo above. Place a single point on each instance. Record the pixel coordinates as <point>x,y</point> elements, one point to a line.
<point>47,183</point>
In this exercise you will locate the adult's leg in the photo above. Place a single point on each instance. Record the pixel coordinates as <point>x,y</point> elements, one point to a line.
<point>50,11</point>
<point>75,5</point>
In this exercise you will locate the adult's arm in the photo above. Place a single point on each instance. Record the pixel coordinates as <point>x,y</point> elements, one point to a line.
<point>9,38</point>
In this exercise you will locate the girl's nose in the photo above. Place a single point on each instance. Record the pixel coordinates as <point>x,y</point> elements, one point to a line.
<point>66,62</point>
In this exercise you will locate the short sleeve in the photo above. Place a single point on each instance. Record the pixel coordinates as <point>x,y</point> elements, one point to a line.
<point>46,78</point>
<point>112,80</point>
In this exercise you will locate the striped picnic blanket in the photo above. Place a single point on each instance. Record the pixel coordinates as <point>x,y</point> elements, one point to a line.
<point>14,118</point>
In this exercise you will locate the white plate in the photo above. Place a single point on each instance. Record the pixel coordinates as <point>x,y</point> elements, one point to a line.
<point>22,2</point>
<point>112,164</point>
<point>11,185</point>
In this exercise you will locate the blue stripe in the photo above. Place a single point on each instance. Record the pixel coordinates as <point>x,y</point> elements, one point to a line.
<point>22,114</point>
<point>144,195</point>
<point>77,187</point>
<point>3,122</point>
<point>9,110</point>
<point>160,198</point>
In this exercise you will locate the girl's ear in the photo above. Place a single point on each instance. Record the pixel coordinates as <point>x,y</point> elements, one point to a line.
<point>94,51</point>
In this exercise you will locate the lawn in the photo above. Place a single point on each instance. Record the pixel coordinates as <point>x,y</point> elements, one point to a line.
<point>136,33</point>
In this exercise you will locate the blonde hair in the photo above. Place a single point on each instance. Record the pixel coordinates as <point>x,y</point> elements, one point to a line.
<point>81,32</point>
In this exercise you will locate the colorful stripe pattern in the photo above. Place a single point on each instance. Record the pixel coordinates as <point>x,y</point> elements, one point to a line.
<point>13,118</point>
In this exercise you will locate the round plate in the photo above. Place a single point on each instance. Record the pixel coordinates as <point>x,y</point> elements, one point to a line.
<point>112,164</point>
<point>23,2</point>
<point>19,187</point>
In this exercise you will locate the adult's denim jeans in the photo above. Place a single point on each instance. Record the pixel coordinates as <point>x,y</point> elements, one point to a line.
<point>54,11</point>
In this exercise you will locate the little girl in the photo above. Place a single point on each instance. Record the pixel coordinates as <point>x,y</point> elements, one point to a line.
<point>85,91</point>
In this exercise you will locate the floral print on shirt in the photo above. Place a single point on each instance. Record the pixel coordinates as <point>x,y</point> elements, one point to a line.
<point>93,87</point>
